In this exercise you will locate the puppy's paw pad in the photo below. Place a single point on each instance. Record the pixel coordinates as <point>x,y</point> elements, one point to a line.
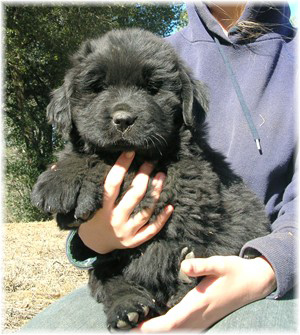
<point>146,310</point>
<point>123,325</point>
<point>133,317</point>
<point>128,319</point>
<point>185,254</point>
<point>190,255</point>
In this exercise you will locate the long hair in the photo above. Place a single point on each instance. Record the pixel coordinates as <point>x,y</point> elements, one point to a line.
<point>252,30</point>
<point>249,29</point>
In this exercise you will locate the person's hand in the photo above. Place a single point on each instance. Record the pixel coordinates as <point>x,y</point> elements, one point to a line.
<point>230,282</point>
<point>112,227</point>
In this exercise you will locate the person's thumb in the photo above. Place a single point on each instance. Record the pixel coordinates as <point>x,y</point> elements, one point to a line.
<point>196,267</point>
<point>158,324</point>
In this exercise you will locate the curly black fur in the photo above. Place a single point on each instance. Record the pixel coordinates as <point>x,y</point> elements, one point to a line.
<point>129,91</point>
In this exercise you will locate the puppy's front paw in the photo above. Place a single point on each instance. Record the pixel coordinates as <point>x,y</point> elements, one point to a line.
<point>54,192</point>
<point>67,221</point>
<point>129,314</point>
<point>89,200</point>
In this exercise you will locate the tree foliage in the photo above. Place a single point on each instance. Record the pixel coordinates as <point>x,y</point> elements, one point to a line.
<point>39,41</point>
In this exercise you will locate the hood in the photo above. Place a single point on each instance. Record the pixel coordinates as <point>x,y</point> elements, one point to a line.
<point>276,16</point>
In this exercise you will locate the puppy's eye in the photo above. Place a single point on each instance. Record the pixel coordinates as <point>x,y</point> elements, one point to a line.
<point>92,86</point>
<point>153,87</point>
<point>151,82</point>
<point>97,86</point>
<point>92,81</point>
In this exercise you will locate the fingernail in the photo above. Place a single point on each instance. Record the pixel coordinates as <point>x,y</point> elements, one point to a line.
<point>129,154</point>
<point>169,208</point>
<point>161,176</point>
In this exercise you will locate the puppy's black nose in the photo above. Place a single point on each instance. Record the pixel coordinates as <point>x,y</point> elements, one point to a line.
<point>122,120</point>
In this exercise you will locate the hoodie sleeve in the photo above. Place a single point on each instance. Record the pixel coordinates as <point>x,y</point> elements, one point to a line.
<point>279,247</point>
<point>78,253</point>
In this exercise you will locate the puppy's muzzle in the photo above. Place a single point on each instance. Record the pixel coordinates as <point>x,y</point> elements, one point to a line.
<point>122,120</point>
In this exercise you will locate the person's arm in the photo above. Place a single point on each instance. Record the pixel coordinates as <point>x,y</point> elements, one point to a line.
<point>230,282</point>
<point>279,247</point>
<point>113,227</point>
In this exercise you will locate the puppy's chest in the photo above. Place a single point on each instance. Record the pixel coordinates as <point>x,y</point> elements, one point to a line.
<point>132,173</point>
<point>186,185</point>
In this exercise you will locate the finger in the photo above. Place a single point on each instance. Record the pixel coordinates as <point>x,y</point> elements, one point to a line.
<point>196,267</point>
<point>158,324</point>
<point>137,190</point>
<point>116,176</point>
<point>172,320</point>
<point>150,230</point>
<point>187,314</point>
<point>141,218</point>
<point>157,184</point>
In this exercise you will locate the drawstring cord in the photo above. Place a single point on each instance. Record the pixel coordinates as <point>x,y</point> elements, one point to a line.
<point>240,97</point>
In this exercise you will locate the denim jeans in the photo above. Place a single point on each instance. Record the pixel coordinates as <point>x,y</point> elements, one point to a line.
<point>79,312</point>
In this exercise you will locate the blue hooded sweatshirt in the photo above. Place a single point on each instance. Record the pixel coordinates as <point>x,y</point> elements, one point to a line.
<point>265,71</point>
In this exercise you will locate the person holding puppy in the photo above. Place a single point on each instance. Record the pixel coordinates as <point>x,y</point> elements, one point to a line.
<point>257,41</point>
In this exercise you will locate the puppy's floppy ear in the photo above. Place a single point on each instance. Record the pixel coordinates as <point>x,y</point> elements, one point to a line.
<point>59,109</point>
<point>85,49</point>
<point>59,112</point>
<point>194,99</point>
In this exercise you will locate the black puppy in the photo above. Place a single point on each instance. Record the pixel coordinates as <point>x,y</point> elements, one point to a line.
<point>129,91</point>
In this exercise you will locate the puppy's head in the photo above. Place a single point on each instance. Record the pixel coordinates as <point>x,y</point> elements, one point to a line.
<point>126,91</point>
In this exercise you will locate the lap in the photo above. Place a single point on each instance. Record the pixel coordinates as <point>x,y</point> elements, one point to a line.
<point>78,311</point>
<point>266,314</point>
